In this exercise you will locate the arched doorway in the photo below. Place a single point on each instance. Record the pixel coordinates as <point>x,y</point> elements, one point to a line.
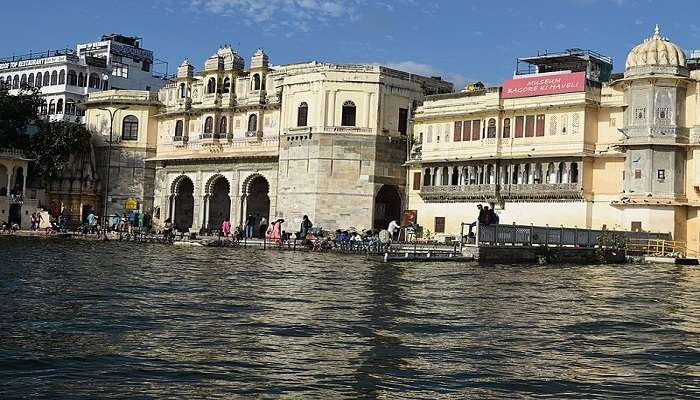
<point>387,207</point>
<point>183,189</point>
<point>219,201</point>
<point>4,184</point>
<point>15,214</point>
<point>256,198</point>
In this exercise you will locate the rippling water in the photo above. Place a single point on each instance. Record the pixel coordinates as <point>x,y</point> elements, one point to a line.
<point>95,320</point>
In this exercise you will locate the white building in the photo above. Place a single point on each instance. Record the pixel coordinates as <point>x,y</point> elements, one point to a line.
<point>65,77</point>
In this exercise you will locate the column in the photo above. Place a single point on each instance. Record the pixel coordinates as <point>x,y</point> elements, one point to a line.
<point>331,110</point>
<point>450,172</point>
<point>9,181</point>
<point>205,207</point>
<point>24,183</point>
<point>368,104</point>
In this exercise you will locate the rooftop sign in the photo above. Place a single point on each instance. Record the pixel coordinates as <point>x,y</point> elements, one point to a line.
<point>539,85</point>
<point>32,63</point>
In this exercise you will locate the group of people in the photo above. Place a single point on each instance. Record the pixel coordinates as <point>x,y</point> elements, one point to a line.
<point>132,222</point>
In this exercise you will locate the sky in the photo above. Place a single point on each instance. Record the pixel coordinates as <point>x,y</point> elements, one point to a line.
<point>460,40</point>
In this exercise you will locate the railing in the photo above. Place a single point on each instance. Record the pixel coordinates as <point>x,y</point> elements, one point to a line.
<point>659,248</point>
<point>8,152</point>
<point>530,235</point>
<point>506,192</point>
<point>461,192</point>
<point>253,134</point>
<point>541,190</point>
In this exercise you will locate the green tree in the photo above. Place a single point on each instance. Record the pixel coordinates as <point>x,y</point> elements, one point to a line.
<point>17,114</point>
<point>53,145</point>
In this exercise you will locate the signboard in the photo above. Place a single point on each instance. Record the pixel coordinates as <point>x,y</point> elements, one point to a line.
<point>135,53</point>
<point>31,63</point>
<point>132,204</point>
<point>409,217</point>
<point>539,85</point>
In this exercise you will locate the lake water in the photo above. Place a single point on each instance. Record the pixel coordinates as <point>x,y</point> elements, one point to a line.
<point>114,320</point>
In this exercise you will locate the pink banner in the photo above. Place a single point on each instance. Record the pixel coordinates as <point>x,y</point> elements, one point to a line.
<point>539,85</point>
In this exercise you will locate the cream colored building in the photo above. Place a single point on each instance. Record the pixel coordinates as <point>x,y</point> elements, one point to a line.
<point>323,140</point>
<point>566,144</point>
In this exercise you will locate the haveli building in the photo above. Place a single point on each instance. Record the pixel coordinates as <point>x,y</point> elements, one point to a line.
<point>567,143</point>
<point>323,140</point>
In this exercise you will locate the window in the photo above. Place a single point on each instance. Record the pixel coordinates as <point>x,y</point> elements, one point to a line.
<point>30,80</point>
<point>530,126</point>
<point>211,85</point>
<point>574,173</point>
<point>23,80</point>
<point>130,128</point>
<point>640,113</point>
<point>564,123</point>
<point>43,110</point>
<point>457,131</point>
<point>72,78</point>
<point>539,131</point>
<point>439,224</point>
<point>94,81</point>
<point>416,181</point>
<point>59,106</point>
<point>62,77</point>
<point>491,130</point>
<point>348,114</point>
<point>506,128</point>
<point>178,128</point>
<point>613,122</point>
<point>209,125</point>
<point>183,90</point>
<point>519,126</point>
<point>81,80</point>
<point>636,226</point>
<point>54,78</point>
<point>403,121</point>
<point>38,79</point>
<point>552,125</point>
<point>70,107</point>
<point>223,125</point>
<point>476,129</point>
<point>52,107</point>
<point>661,174</point>
<point>467,130</point>
<point>15,82</point>
<point>227,85</point>
<point>47,82</point>
<point>256,82</point>
<point>429,137</point>
<point>426,178</point>
<point>146,66</point>
<point>302,114</point>
<point>637,174</point>
<point>120,69</point>
<point>253,123</point>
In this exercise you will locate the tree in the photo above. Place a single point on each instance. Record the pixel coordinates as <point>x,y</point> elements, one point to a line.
<point>53,145</point>
<point>17,114</point>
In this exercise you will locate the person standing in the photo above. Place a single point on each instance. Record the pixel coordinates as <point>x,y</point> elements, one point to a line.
<point>306,225</point>
<point>249,226</point>
<point>394,229</point>
<point>226,227</point>
<point>262,228</point>
<point>276,231</point>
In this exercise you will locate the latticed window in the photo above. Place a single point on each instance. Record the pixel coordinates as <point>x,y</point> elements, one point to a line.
<point>552,125</point>
<point>223,125</point>
<point>506,128</point>
<point>130,128</point>
<point>491,130</point>
<point>574,124</point>
<point>302,114</point>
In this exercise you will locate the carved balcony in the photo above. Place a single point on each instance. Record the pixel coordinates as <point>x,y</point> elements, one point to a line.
<point>457,193</point>
<point>542,191</point>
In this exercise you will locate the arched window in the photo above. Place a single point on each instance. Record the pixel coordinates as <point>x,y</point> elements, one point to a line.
<point>227,85</point>
<point>506,128</point>
<point>211,85</point>
<point>39,77</point>
<point>426,177</point>
<point>445,176</point>
<point>223,125</point>
<point>54,78</point>
<point>516,174</point>
<point>30,80</point>
<point>62,77</point>
<point>491,128</point>
<point>94,81</point>
<point>130,128</point>
<point>178,128</point>
<point>183,90</point>
<point>70,107</point>
<point>8,81</point>
<point>15,82</point>
<point>302,114</point>
<point>209,125</point>
<point>23,80</point>
<point>43,109</point>
<point>59,106</point>
<point>561,173</point>
<point>81,80</point>
<point>256,82</point>
<point>348,114</point>
<point>72,78</point>
<point>551,173</point>
<point>253,123</point>
<point>573,173</point>
<point>52,107</point>
<point>47,78</point>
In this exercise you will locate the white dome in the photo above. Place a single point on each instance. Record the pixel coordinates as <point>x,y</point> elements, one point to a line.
<point>656,51</point>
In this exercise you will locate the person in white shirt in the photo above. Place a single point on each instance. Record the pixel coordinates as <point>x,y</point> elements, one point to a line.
<point>394,229</point>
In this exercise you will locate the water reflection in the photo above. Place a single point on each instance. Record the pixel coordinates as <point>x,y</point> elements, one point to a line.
<point>116,320</point>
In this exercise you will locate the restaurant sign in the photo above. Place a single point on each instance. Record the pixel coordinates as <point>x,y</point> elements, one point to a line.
<point>539,85</point>
<point>34,62</point>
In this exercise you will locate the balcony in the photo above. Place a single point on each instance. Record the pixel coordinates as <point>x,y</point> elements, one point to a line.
<point>495,193</point>
<point>457,193</point>
<point>253,134</point>
<point>542,191</point>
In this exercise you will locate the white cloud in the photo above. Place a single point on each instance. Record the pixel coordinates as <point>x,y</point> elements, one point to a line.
<point>457,79</point>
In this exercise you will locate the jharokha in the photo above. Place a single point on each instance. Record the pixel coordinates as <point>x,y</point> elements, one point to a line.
<point>566,141</point>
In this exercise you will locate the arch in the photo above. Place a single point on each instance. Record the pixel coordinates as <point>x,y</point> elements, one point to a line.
<point>561,173</point>
<point>62,77</point>
<point>94,81</point>
<point>489,179</point>
<point>39,78</point>
<point>427,180</point>
<point>178,128</point>
<point>349,113</point>
<point>455,176</point>
<point>182,190</point>
<point>219,202</point>
<point>255,200</point>
<point>54,78</point>
<point>4,182</point>
<point>538,173</point>
<point>516,174</point>
<point>52,107</point>
<point>183,90</point>
<point>15,82</point>
<point>573,173</point>
<point>491,128</point>
<point>387,206</point>
<point>527,174</point>
<point>72,78</point>
<point>47,78</point>
<point>506,128</point>
<point>59,106</point>
<point>256,82</point>
<point>209,125</point>
<point>211,85</point>
<point>223,126</point>
<point>302,114</point>
<point>70,107</point>
<point>551,173</point>
<point>253,123</point>
<point>227,85</point>
<point>445,176</point>
<point>23,80</point>
<point>130,128</point>
<point>8,81</point>
<point>30,79</point>
<point>81,80</point>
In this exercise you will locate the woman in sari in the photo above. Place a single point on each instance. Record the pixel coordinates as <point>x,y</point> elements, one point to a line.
<point>276,231</point>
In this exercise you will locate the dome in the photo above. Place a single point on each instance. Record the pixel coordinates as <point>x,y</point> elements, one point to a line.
<point>656,51</point>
